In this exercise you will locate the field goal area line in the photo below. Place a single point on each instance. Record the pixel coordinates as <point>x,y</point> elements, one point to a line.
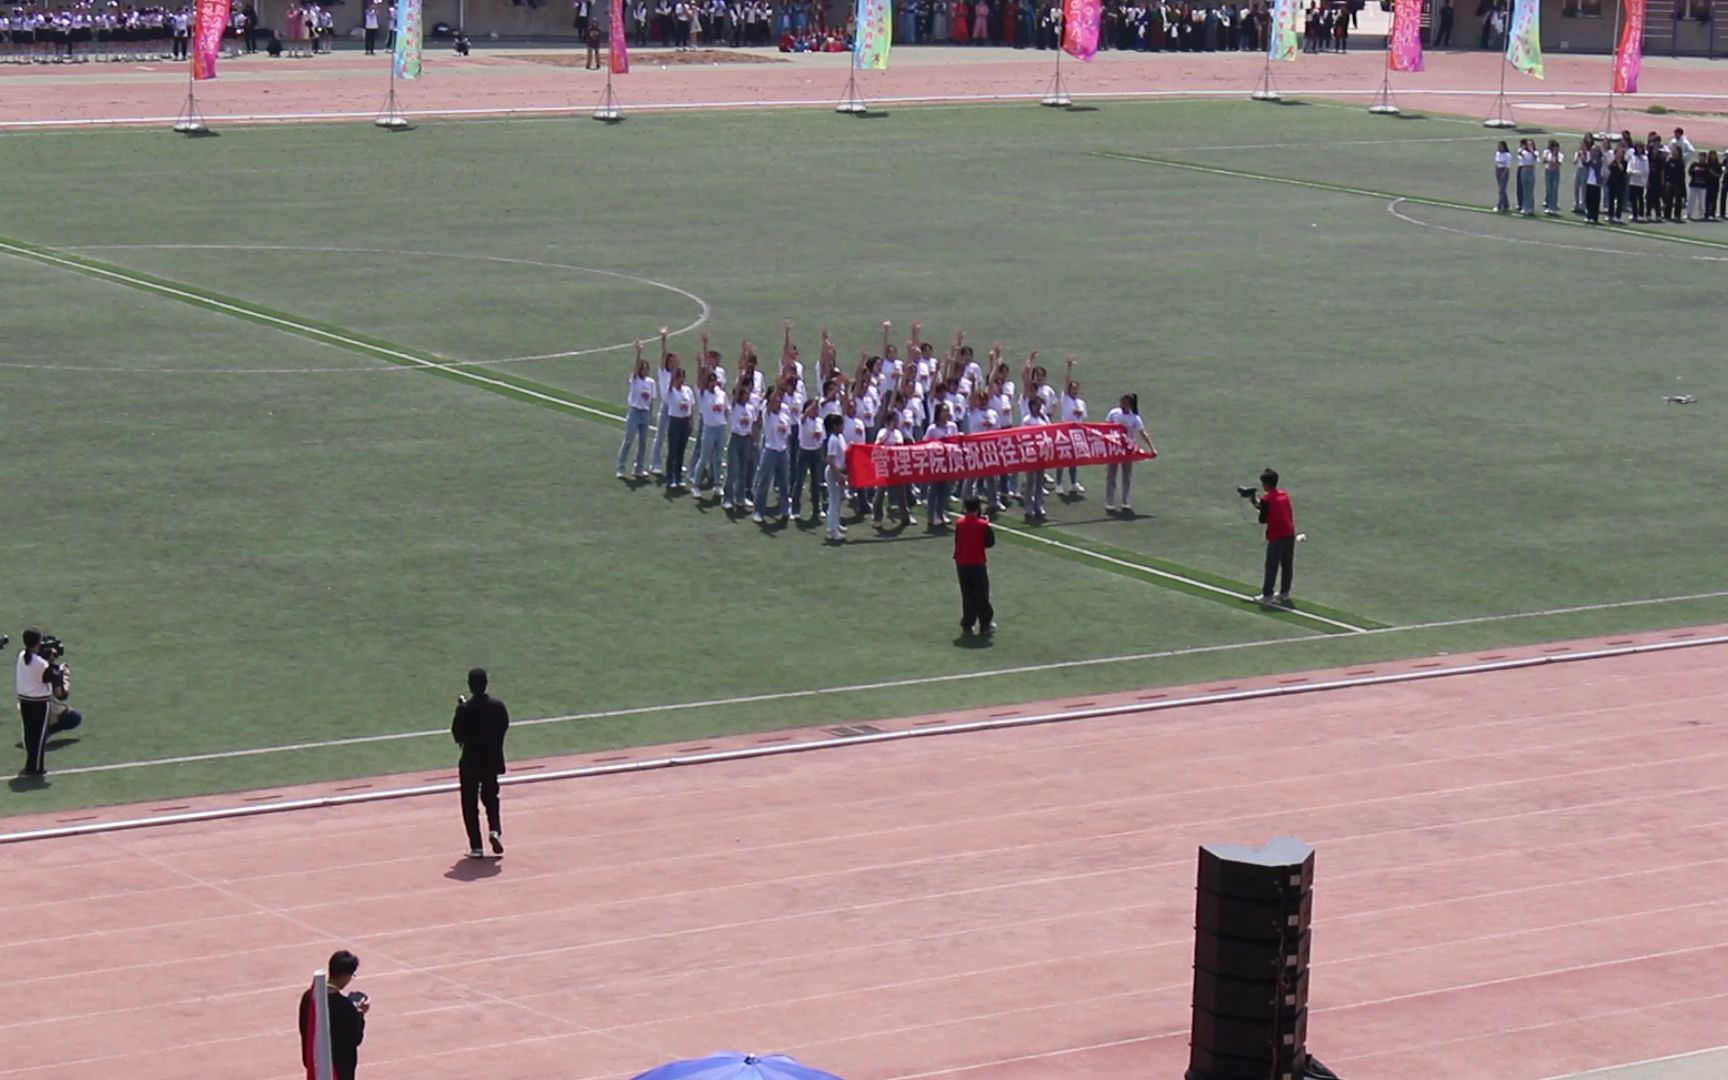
<point>253,314</point>
<point>841,741</point>
<point>861,688</point>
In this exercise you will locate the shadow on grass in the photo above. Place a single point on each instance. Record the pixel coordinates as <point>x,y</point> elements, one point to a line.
<point>28,783</point>
<point>974,641</point>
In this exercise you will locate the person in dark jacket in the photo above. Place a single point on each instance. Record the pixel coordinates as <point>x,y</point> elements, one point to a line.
<point>347,1017</point>
<point>479,727</point>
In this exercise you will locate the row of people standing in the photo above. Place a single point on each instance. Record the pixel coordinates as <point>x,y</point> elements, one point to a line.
<point>1126,25</point>
<point>689,24</point>
<point>775,434</point>
<point>1621,180</point>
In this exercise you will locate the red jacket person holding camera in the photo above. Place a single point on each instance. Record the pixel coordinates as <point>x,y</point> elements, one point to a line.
<point>1280,521</point>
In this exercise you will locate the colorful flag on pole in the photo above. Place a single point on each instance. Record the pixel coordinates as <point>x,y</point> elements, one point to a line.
<point>408,30</point>
<point>315,1025</point>
<point>620,45</point>
<point>1405,43</point>
<point>873,33</point>
<point>1286,34</point>
<point>1629,57</point>
<point>209,23</point>
<point>1080,19</point>
<point>1524,39</point>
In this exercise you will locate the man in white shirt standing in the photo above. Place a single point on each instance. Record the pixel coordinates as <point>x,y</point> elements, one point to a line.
<point>35,688</point>
<point>371,24</point>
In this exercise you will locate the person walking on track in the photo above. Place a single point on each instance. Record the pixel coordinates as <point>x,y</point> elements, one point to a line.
<point>479,727</point>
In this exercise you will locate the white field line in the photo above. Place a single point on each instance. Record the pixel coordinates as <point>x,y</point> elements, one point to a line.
<point>1218,590</point>
<point>775,750</point>
<point>825,102</point>
<point>889,684</point>
<point>303,329</point>
<point>1393,209</point>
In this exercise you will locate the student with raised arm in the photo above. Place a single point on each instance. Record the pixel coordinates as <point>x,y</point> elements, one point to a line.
<point>638,399</point>
<point>1073,412</point>
<point>890,435</point>
<point>716,409</point>
<point>942,426</point>
<point>740,447</point>
<point>812,438</point>
<point>680,409</point>
<point>668,364</point>
<point>1127,414</point>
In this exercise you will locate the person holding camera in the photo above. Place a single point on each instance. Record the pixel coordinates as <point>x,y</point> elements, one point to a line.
<point>479,727</point>
<point>973,536</point>
<point>346,1017</point>
<point>35,675</point>
<point>1280,521</point>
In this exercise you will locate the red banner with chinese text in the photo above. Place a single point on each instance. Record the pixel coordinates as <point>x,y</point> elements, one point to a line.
<point>990,453</point>
<point>209,22</point>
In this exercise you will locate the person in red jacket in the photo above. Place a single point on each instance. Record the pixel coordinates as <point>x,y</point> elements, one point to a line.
<point>972,537</point>
<point>1280,522</point>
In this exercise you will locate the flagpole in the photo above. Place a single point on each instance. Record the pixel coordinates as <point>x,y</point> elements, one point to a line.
<point>1606,128</point>
<point>390,116</point>
<point>1383,103</point>
<point>609,109</point>
<point>1501,117</point>
<point>1056,95</point>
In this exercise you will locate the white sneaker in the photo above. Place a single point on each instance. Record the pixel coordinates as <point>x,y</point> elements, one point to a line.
<point>476,853</point>
<point>756,517</point>
<point>1126,509</point>
<point>749,504</point>
<point>1078,489</point>
<point>640,475</point>
<point>620,474</point>
<point>719,493</point>
<point>1110,508</point>
<point>1061,489</point>
<point>912,519</point>
<point>725,504</point>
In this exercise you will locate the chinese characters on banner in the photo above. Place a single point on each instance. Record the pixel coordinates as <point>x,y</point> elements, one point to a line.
<point>407,58</point>
<point>990,453</point>
<point>874,31</point>
<point>1406,42</point>
<point>209,20</point>
<point>1524,42</point>
<point>1629,57</point>
<point>1080,19</point>
<point>1286,38</point>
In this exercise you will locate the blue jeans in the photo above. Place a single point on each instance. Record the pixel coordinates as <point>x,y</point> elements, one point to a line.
<point>738,468</point>
<point>773,468</point>
<point>807,462</point>
<point>710,454</point>
<point>635,427</point>
<point>1551,195</point>
<point>1125,469</point>
<point>657,453</point>
<point>1502,204</point>
<point>936,500</point>
<point>1526,191</point>
<point>1577,191</point>
<point>1033,497</point>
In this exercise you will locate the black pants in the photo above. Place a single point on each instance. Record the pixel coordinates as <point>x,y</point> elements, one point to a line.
<point>479,788</point>
<point>35,716</point>
<point>975,609</point>
<point>1593,202</point>
<point>1637,194</point>
<point>677,438</point>
<point>1280,559</point>
<point>179,47</point>
<point>371,40</point>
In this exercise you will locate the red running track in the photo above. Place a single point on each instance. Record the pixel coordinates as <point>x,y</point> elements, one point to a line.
<point>1520,875</point>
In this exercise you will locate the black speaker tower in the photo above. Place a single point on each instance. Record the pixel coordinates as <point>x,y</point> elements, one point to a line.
<point>1251,946</point>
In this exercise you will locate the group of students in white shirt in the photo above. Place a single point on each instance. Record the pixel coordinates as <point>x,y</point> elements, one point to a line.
<point>761,434</point>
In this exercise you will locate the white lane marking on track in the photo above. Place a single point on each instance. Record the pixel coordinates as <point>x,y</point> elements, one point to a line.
<point>1393,209</point>
<point>925,680</point>
<point>704,309</point>
<point>304,329</point>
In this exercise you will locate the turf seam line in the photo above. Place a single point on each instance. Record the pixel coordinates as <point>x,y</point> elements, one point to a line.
<point>844,741</point>
<point>860,688</point>
<point>1390,196</point>
<point>257,314</point>
<point>1212,591</point>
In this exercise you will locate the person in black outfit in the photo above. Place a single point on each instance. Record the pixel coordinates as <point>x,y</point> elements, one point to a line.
<point>1443,33</point>
<point>479,727</point>
<point>347,1017</point>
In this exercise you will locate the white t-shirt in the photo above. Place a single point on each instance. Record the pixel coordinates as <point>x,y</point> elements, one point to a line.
<point>1502,159</point>
<point>890,436</point>
<point>30,671</point>
<point>715,407</point>
<point>642,393</point>
<point>680,401</point>
<point>980,420</point>
<point>941,431</point>
<point>1129,421</point>
<point>663,379</point>
<point>836,453</point>
<point>1073,409</point>
<point>853,431</point>
<point>1526,158</point>
<point>743,419</point>
<point>1034,421</point>
<point>776,430</point>
<point>1047,394</point>
<point>810,435</point>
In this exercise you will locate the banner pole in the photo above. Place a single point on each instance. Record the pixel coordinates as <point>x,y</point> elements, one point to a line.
<point>190,121</point>
<point>1268,88</point>
<point>1501,117</point>
<point>390,117</point>
<point>1606,129</point>
<point>608,110</point>
<point>1056,95</point>
<point>1384,105</point>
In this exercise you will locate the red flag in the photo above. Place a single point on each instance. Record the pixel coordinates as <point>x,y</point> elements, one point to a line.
<point>620,51</point>
<point>209,22</point>
<point>1080,20</point>
<point>990,453</point>
<point>1629,57</point>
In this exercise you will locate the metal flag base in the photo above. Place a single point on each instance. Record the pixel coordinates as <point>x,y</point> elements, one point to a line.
<point>1056,94</point>
<point>610,110</point>
<point>1501,117</point>
<point>190,121</point>
<point>1606,130</point>
<point>1267,90</point>
<point>852,101</point>
<point>1383,104</point>
<point>390,116</point>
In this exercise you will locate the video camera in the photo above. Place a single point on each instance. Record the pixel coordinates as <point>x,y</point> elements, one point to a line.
<point>52,648</point>
<point>1247,491</point>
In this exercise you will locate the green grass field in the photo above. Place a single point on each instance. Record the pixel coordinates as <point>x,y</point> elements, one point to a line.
<point>267,502</point>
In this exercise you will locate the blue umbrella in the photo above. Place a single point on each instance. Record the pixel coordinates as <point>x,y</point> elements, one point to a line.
<point>731,1065</point>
